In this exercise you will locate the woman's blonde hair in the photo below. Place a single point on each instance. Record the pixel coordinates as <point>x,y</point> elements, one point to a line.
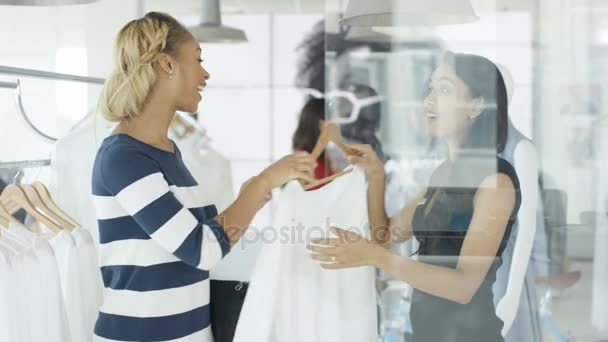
<point>137,47</point>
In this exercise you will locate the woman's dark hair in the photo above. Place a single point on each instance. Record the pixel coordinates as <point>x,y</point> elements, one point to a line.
<point>489,130</point>
<point>307,133</point>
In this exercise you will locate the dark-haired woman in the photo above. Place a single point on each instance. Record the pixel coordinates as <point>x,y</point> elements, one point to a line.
<point>462,220</point>
<point>307,133</point>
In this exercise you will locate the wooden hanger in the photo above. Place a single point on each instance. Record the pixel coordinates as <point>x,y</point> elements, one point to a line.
<point>46,197</point>
<point>187,127</point>
<point>5,216</point>
<point>34,196</point>
<point>329,132</point>
<point>14,198</point>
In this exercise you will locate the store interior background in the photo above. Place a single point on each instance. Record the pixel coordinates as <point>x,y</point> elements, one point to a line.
<point>556,50</point>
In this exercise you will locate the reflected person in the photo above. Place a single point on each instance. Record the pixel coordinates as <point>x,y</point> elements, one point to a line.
<point>462,220</point>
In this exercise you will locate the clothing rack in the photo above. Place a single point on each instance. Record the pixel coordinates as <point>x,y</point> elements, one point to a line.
<point>24,164</point>
<point>46,75</point>
<point>8,85</point>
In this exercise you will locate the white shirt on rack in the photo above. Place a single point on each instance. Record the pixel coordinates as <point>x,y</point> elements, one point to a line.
<point>90,279</point>
<point>64,248</point>
<point>20,298</point>
<point>47,296</point>
<point>12,279</point>
<point>6,278</point>
<point>72,167</point>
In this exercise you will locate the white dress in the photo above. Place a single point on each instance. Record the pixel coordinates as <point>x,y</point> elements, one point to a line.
<point>290,297</point>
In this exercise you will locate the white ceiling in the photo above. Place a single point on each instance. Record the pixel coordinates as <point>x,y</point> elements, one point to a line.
<point>192,7</point>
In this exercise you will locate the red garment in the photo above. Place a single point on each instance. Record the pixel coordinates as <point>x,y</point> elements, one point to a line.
<point>321,171</point>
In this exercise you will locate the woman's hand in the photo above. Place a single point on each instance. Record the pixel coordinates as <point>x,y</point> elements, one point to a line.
<point>299,165</point>
<point>348,250</point>
<point>365,156</point>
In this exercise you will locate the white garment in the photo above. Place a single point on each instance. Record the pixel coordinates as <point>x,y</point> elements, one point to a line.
<point>72,167</point>
<point>64,248</point>
<point>56,315</point>
<point>36,302</point>
<point>599,304</point>
<point>90,279</point>
<point>16,326</point>
<point>5,308</point>
<point>290,297</point>
<point>53,324</point>
<point>8,311</point>
<point>23,303</point>
<point>38,291</point>
<point>213,173</point>
<point>5,254</point>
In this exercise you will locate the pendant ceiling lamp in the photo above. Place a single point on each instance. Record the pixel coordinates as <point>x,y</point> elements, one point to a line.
<point>45,2</point>
<point>408,13</point>
<point>211,30</point>
<point>366,35</point>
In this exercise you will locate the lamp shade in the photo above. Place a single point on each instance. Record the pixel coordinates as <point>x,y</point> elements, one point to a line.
<point>211,30</point>
<point>408,12</point>
<point>366,34</point>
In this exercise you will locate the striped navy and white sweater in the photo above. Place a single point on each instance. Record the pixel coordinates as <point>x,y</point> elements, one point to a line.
<point>157,244</point>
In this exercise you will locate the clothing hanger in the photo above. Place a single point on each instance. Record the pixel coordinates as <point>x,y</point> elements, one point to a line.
<point>15,196</point>
<point>34,196</point>
<point>46,197</point>
<point>5,217</point>
<point>184,125</point>
<point>180,127</point>
<point>357,104</point>
<point>329,132</point>
<point>187,118</point>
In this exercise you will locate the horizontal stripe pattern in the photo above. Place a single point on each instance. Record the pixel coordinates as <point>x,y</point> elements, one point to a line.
<point>175,231</point>
<point>151,278</point>
<point>108,208</point>
<point>159,213</point>
<point>202,335</point>
<point>156,303</point>
<point>186,196</point>
<point>165,328</point>
<point>134,252</point>
<point>122,228</point>
<point>140,194</point>
<point>158,239</point>
<point>211,253</point>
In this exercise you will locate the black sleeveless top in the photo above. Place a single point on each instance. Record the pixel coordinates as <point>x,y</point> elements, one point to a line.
<point>440,233</point>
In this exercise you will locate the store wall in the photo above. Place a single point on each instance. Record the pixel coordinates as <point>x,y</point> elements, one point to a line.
<point>249,108</point>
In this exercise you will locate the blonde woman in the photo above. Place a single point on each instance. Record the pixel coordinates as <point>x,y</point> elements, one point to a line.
<point>157,240</point>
